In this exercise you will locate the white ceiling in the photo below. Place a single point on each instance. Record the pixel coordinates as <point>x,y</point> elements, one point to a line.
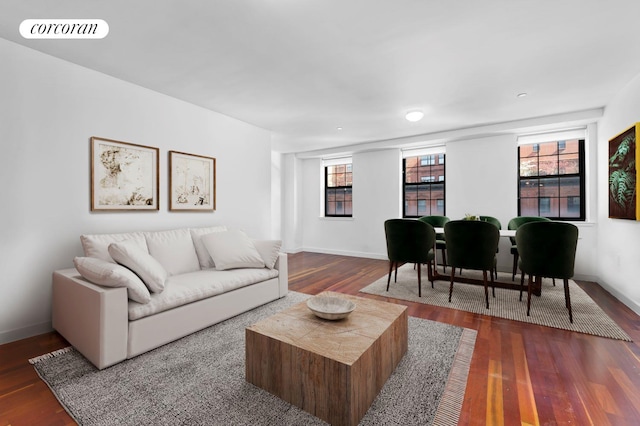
<point>302,68</point>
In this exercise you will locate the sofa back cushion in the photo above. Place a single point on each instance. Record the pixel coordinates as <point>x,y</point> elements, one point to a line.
<point>97,245</point>
<point>232,249</point>
<point>206,262</point>
<point>174,250</point>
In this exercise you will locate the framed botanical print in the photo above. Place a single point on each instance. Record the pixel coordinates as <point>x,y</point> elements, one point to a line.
<point>124,176</point>
<point>623,175</point>
<point>192,182</point>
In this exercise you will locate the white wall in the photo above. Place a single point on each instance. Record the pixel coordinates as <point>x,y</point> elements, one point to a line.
<point>481,178</point>
<point>618,240</point>
<point>49,109</point>
<point>377,195</point>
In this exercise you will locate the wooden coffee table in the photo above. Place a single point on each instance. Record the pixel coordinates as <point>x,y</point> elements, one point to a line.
<point>331,369</point>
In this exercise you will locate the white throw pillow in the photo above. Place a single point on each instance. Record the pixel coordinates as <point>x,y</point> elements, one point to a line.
<point>232,249</point>
<point>174,250</point>
<point>109,274</point>
<point>204,257</point>
<point>143,264</point>
<point>269,250</point>
<point>97,245</point>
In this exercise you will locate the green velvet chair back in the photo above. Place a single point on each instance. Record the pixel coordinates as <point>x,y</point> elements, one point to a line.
<point>471,244</point>
<point>409,240</point>
<point>492,220</point>
<point>547,249</point>
<point>436,222</point>
<point>516,222</point>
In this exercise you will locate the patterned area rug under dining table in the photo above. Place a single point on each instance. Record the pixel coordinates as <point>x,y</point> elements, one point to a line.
<point>548,309</point>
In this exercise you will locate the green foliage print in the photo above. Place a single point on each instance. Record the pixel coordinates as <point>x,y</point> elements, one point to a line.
<point>622,178</point>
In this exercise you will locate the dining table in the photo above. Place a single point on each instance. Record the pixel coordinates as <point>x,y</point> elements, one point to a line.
<point>511,285</point>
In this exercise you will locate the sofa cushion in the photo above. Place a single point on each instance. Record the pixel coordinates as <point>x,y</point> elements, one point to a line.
<point>110,274</point>
<point>96,245</point>
<point>269,250</point>
<point>143,264</point>
<point>203,255</point>
<point>174,250</point>
<point>232,249</point>
<point>186,288</point>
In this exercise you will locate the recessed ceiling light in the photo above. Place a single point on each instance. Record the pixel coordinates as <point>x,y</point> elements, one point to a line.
<point>338,128</point>
<point>414,115</point>
<point>521,95</point>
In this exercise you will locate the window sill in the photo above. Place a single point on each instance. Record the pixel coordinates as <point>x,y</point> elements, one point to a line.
<point>336,218</point>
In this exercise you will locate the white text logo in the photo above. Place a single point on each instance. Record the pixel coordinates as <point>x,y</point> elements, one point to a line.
<point>64,28</point>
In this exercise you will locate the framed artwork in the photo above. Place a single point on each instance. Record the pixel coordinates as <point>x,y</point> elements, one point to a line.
<point>623,175</point>
<point>124,176</point>
<point>192,182</point>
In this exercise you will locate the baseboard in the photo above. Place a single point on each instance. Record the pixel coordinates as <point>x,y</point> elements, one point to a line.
<point>346,253</point>
<point>23,333</point>
<point>634,306</point>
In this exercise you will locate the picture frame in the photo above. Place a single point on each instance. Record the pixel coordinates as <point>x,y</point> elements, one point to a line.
<point>124,176</point>
<point>623,175</point>
<point>192,182</point>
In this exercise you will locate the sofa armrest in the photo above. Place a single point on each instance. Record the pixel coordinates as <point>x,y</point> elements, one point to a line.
<point>282,266</point>
<point>94,319</point>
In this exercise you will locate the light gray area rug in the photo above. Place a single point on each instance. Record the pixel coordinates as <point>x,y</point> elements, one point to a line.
<point>548,309</point>
<point>200,380</point>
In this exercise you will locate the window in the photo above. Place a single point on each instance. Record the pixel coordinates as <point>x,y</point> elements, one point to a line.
<point>551,180</point>
<point>338,196</point>
<point>423,188</point>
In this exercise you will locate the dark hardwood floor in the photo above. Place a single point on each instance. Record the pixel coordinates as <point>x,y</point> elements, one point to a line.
<point>520,373</point>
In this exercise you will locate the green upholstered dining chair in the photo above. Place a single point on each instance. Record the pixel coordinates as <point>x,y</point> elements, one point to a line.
<point>492,220</point>
<point>514,224</point>
<point>472,244</point>
<point>441,244</point>
<point>547,249</point>
<point>409,241</point>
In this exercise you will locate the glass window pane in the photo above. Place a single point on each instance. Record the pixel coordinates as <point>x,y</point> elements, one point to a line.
<point>572,145</point>
<point>529,207</point>
<point>548,165</point>
<point>570,207</point>
<point>411,162</point>
<point>331,208</point>
<point>422,207</point>
<point>549,187</point>
<point>528,166</point>
<point>348,208</point>
<point>411,175</point>
<point>339,168</point>
<point>349,179</point>
<point>340,179</point>
<point>529,188</point>
<point>568,164</point>
<point>570,186</point>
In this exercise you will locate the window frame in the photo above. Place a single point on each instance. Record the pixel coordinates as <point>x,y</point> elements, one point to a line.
<point>327,189</point>
<point>581,175</point>
<point>439,159</point>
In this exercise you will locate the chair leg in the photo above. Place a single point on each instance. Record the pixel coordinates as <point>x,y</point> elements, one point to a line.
<point>444,260</point>
<point>529,285</point>
<point>419,280</point>
<point>486,289</point>
<point>390,271</point>
<point>554,281</point>
<point>493,287</point>
<point>521,285</point>
<point>453,272</point>
<point>567,299</point>
<point>395,277</point>
<point>430,273</point>
<point>515,266</point>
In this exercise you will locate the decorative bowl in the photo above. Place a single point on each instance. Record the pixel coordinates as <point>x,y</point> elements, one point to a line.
<point>330,307</point>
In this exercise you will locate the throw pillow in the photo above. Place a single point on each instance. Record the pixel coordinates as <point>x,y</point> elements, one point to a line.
<point>109,274</point>
<point>204,257</point>
<point>232,249</point>
<point>269,250</point>
<point>143,264</point>
<point>174,250</point>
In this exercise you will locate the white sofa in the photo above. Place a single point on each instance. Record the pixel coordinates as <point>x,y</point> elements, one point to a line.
<point>99,318</point>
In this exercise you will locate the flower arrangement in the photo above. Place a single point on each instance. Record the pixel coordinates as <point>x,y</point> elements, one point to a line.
<point>468,216</point>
